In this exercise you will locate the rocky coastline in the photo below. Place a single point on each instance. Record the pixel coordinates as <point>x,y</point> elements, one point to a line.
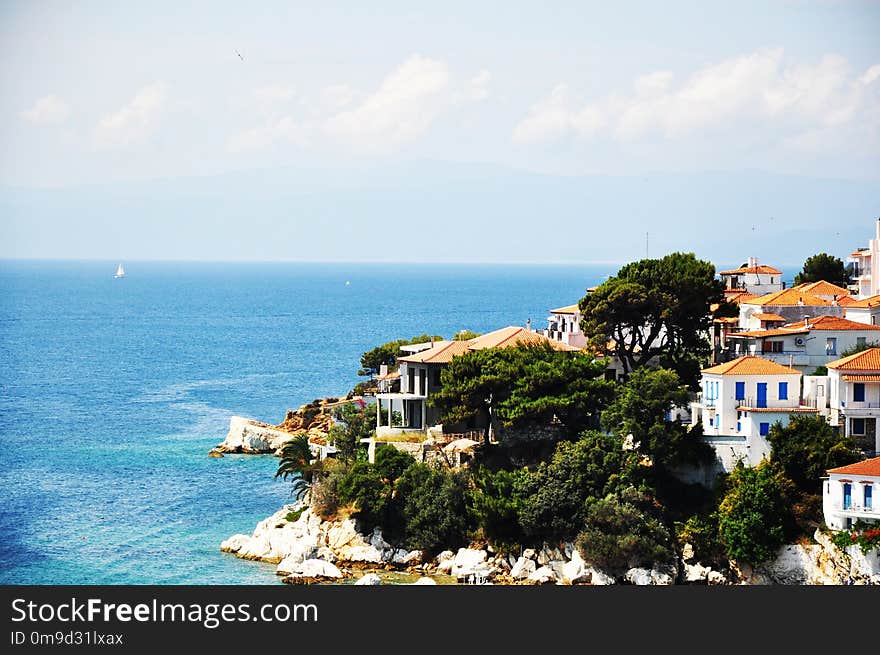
<point>308,549</point>
<point>250,437</point>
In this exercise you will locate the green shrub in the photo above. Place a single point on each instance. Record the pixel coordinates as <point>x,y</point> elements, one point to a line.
<point>370,494</point>
<point>391,462</point>
<point>292,517</point>
<point>433,506</point>
<point>701,532</point>
<point>621,532</point>
<point>495,503</point>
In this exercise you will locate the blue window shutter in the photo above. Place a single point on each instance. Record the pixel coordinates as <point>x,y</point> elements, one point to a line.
<point>764,429</point>
<point>740,390</point>
<point>859,392</point>
<point>783,391</point>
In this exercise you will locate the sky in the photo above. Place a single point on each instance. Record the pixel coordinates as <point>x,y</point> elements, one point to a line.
<point>494,131</point>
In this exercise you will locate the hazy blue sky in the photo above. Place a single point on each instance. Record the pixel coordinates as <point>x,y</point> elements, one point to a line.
<point>492,131</point>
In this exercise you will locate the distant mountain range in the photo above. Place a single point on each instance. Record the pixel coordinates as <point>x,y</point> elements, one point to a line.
<point>438,212</point>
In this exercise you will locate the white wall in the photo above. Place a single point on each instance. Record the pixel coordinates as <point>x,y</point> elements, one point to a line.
<point>832,500</point>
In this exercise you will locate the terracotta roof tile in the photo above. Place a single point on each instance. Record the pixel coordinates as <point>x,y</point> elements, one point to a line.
<point>759,269</point>
<point>834,323</point>
<point>768,317</point>
<point>846,301</point>
<point>862,378</point>
<point>822,288</point>
<point>513,336</point>
<point>788,297</point>
<point>570,309</point>
<point>866,467</point>
<point>867,360</point>
<point>776,332</point>
<point>441,353</point>
<point>866,303</point>
<point>751,365</point>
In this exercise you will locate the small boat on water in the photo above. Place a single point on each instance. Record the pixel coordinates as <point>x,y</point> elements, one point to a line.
<point>120,272</point>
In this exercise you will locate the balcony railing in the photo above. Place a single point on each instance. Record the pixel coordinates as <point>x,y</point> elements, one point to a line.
<point>852,404</point>
<point>858,509</point>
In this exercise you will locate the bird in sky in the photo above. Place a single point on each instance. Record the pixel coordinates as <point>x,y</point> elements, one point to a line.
<point>239,55</point>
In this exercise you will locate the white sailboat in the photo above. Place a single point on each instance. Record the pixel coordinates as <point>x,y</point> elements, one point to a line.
<point>120,272</point>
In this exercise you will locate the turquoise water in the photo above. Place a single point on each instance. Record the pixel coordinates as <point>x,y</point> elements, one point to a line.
<point>113,391</point>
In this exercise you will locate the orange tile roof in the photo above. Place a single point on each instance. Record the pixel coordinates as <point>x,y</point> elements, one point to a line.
<point>726,319</point>
<point>862,378</point>
<point>735,296</point>
<point>759,269</point>
<point>791,296</point>
<point>860,253</point>
<point>513,336</point>
<point>834,323</point>
<point>441,353</point>
<point>393,375</point>
<point>776,332</point>
<point>866,303</point>
<point>867,360</point>
<point>570,309</point>
<point>846,301</point>
<point>822,288</point>
<point>751,365</point>
<point>865,467</point>
<point>768,317</point>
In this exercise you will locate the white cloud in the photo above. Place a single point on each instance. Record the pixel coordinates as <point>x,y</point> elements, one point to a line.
<point>135,121</point>
<point>50,109</point>
<point>756,90</point>
<point>400,110</point>
<point>337,96</point>
<point>479,86</point>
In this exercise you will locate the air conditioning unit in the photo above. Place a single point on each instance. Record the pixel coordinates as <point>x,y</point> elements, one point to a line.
<point>799,341</point>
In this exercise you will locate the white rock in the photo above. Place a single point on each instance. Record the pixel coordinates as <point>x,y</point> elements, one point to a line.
<point>342,534</point>
<point>445,566</point>
<point>715,577</point>
<point>234,543</point>
<point>638,576</point>
<point>413,557</point>
<point>511,560</point>
<point>543,575</point>
<point>529,553</point>
<point>568,549</point>
<point>543,556</point>
<point>370,579</point>
<point>522,569</point>
<point>575,570</point>
<point>687,553</point>
<point>248,436</point>
<point>695,573</point>
<point>399,556</point>
<point>376,540</point>
<point>663,575</point>
<point>255,548</point>
<point>316,568</point>
<point>361,554</point>
<point>326,554</point>
<point>445,555</point>
<point>599,578</point>
<point>466,558</point>
<point>425,581</point>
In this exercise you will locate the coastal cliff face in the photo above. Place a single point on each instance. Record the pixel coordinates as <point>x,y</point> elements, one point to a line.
<point>253,437</point>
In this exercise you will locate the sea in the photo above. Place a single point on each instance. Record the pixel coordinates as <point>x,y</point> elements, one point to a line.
<point>112,392</point>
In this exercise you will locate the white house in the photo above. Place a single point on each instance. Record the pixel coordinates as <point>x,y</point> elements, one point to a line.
<point>866,266</point>
<point>739,402</point>
<point>791,304</point>
<point>854,397</point>
<point>564,326</point>
<point>866,310</point>
<point>753,278</point>
<point>804,345</point>
<point>849,494</point>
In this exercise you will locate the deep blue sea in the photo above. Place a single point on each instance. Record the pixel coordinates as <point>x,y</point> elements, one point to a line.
<point>113,391</point>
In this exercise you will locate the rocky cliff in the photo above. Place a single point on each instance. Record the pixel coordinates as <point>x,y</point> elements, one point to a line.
<point>253,437</point>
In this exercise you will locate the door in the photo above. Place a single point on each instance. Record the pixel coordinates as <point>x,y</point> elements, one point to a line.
<point>762,394</point>
<point>847,495</point>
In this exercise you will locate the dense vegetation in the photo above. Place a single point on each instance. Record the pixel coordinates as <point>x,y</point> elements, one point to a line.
<point>824,267</point>
<point>607,479</point>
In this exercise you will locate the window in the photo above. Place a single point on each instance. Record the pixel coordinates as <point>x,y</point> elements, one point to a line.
<point>869,496</point>
<point>739,426</point>
<point>859,392</point>
<point>740,391</point>
<point>437,382</point>
<point>847,495</point>
<point>711,421</point>
<point>783,391</point>
<point>831,346</point>
<point>772,347</point>
<point>858,426</point>
<point>764,429</point>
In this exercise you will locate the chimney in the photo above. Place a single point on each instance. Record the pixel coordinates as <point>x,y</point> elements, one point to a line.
<point>753,262</point>
<point>800,302</point>
<point>383,369</point>
<point>529,324</point>
<point>432,342</point>
<point>806,321</point>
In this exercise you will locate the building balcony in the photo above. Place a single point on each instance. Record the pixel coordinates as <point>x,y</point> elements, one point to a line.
<point>856,511</point>
<point>850,406</point>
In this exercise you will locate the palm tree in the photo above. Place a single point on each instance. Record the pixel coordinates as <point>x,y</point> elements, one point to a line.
<point>296,462</point>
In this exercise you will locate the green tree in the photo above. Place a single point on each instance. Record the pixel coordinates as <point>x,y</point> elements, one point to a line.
<point>370,494</point>
<point>433,507</point>
<point>388,352</point>
<point>655,308</point>
<point>807,447</point>
<point>465,335</point>
<point>295,463</point>
<point>554,496</point>
<point>495,502</point>
<point>523,385</point>
<point>754,517</point>
<point>641,409</point>
<point>391,463</point>
<point>852,350</point>
<point>622,531</point>
<point>824,267</point>
<point>357,423</point>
